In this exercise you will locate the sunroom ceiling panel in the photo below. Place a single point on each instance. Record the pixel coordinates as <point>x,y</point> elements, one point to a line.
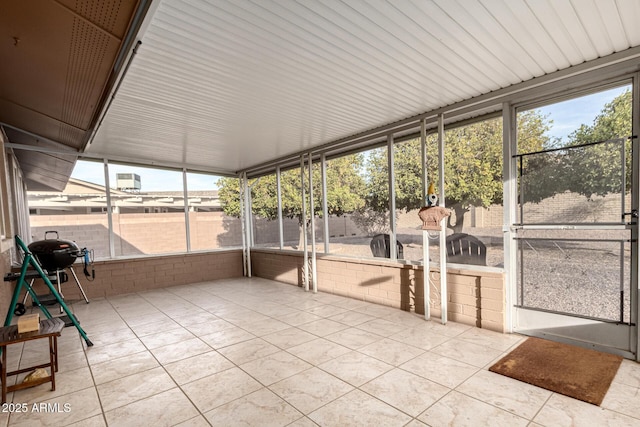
<point>441,28</point>
<point>554,27</point>
<point>594,22</point>
<point>579,34</point>
<point>229,84</point>
<point>527,33</point>
<point>309,52</point>
<point>347,44</point>
<point>448,74</point>
<point>473,17</point>
<point>629,17</point>
<point>404,45</point>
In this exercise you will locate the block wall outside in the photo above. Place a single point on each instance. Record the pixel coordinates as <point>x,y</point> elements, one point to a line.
<point>573,206</point>
<point>141,233</point>
<point>156,233</point>
<point>475,298</point>
<point>123,276</point>
<point>267,232</point>
<point>159,233</point>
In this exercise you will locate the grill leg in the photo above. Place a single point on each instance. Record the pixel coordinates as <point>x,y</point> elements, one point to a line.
<point>72,317</point>
<point>79,285</point>
<point>26,294</point>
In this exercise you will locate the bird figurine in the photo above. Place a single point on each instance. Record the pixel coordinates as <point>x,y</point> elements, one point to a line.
<point>432,197</point>
<point>432,213</point>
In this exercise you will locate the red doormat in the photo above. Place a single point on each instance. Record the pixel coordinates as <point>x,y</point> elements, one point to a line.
<point>566,369</point>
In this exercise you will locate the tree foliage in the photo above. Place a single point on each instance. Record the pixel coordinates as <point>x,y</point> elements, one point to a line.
<point>585,164</point>
<point>614,121</point>
<point>229,194</point>
<point>345,188</point>
<point>473,166</point>
<point>596,169</point>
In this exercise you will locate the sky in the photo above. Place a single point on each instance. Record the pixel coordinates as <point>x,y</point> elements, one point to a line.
<point>567,116</point>
<point>150,179</point>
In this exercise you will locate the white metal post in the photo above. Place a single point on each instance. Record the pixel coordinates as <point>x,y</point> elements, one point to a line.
<point>635,206</point>
<point>423,156</point>
<point>246,209</point>
<point>248,216</point>
<point>314,276</point>
<point>392,200</point>
<point>325,208</point>
<point>426,273</point>
<point>443,229</point>
<point>107,187</point>
<point>509,197</point>
<point>279,195</point>
<point>425,233</point>
<point>249,208</point>
<point>243,225</point>
<point>185,196</point>
<point>305,267</point>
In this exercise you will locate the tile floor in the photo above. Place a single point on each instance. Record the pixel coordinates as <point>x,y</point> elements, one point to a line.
<point>257,352</point>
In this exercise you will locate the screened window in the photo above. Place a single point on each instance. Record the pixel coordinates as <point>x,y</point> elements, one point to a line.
<point>264,211</point>
<point>358,201</point>
<point>474,192</point>
<point>574,170</point>
<point>209,226</point>
<point>78,213</point>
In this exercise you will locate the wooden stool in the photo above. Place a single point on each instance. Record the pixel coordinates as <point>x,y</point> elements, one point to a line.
<point>49,328</point>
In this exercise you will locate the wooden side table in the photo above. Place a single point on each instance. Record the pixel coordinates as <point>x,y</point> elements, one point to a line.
<point>49,328</point>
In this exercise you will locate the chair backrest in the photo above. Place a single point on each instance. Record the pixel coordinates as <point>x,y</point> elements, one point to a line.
<point>463,248</point>
<point>381,247</point>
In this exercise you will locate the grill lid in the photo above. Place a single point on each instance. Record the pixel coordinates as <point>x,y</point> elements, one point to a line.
<point>55,254</point>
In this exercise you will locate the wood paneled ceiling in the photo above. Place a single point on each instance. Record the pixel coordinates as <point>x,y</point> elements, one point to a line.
<point>58,59</point>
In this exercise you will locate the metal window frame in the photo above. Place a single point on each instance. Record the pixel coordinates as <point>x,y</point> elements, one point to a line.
<point>391,179</point>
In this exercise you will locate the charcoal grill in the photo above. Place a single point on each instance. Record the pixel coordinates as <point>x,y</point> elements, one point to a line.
<point>55,254</point>
<point>37,271</point>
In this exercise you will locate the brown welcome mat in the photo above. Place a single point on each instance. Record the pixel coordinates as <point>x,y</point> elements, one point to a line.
<point>566,369</point>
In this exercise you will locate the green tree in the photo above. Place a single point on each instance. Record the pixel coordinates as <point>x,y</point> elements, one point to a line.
<point>473,166</point>
<point>579,165</point>
<point>597,169</point>
<point>538,173</point>
<point>614,121</point>
<point>377,180</point>
<point>345,189</point>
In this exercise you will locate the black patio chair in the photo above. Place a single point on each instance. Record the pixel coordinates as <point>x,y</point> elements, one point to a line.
<point>381,247</point>
<point>463,248</point>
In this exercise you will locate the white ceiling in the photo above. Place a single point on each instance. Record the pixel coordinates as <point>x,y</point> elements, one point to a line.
<point>228,84</point>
